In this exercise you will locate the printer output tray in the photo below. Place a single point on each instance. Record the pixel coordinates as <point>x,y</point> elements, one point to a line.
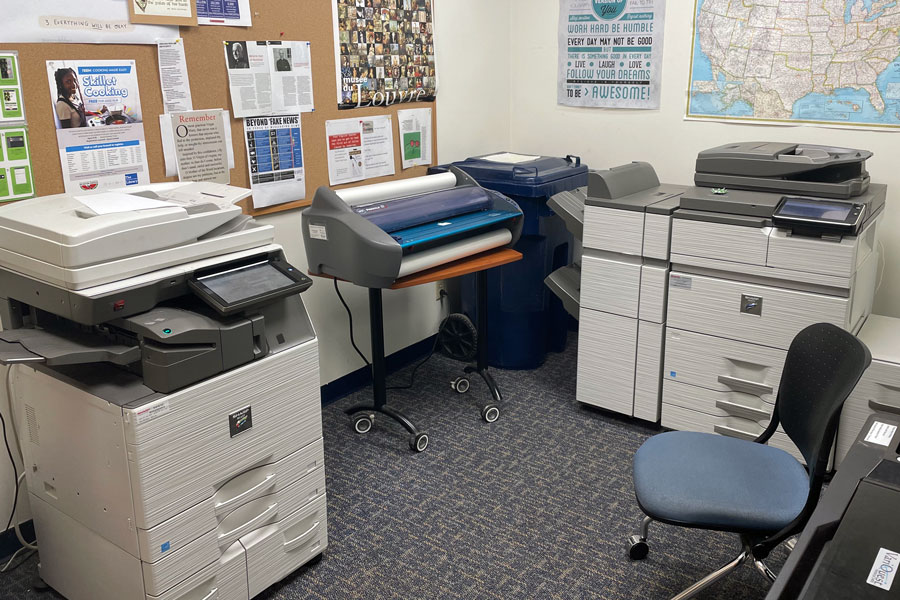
<point>42,345</point>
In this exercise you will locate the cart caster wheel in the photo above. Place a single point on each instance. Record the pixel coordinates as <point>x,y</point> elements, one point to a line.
<point>418,442</point>
<point>362,423</point>
<point>490,413</point>
<point>460,384</point>
<point>639,548</point>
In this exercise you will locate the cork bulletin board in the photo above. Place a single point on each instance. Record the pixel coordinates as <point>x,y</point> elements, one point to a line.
<point>289,20</point>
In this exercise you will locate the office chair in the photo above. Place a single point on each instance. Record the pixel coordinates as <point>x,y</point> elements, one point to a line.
<point>762,493</point>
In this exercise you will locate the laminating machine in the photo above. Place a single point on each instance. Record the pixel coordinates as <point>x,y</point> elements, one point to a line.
<point>164,385</point>
<point>373,235</point>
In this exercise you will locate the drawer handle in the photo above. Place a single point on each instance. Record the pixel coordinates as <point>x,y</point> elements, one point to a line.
<point>881,406</point>
<point>752,387</point>
<point>268,481</point>
<point>251,524</point>
<point>290,545</point>
<point>735,433</point>
<point>212,594</point>
<point>743,411</point>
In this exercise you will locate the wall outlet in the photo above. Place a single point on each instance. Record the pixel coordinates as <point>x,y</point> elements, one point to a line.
<point>440,290</point>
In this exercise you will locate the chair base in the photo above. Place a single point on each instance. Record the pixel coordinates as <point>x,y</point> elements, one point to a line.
<point>639,549</point>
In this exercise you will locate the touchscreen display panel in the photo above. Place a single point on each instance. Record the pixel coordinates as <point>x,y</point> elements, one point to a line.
<point>815,209</point>
<point>246,282</point>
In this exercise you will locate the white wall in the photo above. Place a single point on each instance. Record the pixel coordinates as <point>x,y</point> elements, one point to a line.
<point>23,512</point>
<point>606,138</point>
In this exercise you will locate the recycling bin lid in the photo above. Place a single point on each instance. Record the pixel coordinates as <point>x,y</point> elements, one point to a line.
<point>526,175</point>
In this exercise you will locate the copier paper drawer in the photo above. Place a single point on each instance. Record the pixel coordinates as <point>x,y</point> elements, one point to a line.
<point>225,579</point>
<point>606,371</point>
<point>613,230</point>
<point>278,549</point>
<point>723,364</point>
<point>717,404</point>
<point>249,485</point>
<point>732,243</point>
<point>252,516</point>
<point>191,441</point>
<point>685,419</point>
<point>613,286</point>
<point>751,313</point>
<point>879,389</point>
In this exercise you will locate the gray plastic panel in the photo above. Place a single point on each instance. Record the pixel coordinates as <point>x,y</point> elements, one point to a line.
<point>565,283</point>
<point>72,347</point>
<point>570,207</point>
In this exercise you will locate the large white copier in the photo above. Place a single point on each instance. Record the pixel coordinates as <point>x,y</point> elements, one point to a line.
<point>165,391</point>
<point>772,238</point>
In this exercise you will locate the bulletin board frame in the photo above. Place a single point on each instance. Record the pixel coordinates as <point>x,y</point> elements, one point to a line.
<point>287,20</point>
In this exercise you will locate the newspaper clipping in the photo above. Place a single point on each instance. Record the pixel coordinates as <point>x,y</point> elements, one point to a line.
<point>269,78</point>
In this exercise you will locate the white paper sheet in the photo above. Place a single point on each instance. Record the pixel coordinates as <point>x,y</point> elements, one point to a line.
<point>216,12</point>
<point>269,77</point>
<point>359,148</point>
<point>173,76</point>
<point>415,136</point>
<point>275,158</point>
<point>64,21</point>
<point>107,203</point>
<point>168,143</point>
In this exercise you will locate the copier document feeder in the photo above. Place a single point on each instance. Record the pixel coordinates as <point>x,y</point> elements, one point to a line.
<point>373,235</point>
<point>164,385</point>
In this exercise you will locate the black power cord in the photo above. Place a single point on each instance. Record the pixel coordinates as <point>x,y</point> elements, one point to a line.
<point>412,375</point>
<point>15,471</point>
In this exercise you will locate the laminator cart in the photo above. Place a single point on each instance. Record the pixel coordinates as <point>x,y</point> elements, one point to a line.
<point>402,233</point>
<point>170,419</point>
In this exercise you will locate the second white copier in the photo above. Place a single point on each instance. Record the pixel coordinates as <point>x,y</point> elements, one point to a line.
<point>165,392</point>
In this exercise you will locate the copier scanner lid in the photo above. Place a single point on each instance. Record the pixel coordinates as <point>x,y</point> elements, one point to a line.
<point>778,167</point>
<point>774,159</point>
<point>76,230</point>
<point>67,240</point>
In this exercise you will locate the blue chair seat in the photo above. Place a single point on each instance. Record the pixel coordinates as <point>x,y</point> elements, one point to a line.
<point>715,482</point>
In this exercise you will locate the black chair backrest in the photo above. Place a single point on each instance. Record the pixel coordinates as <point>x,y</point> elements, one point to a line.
<point>822,367</point>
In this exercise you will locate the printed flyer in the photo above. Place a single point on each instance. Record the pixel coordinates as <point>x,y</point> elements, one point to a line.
<point>12,108</point>
<point>610,53</point>
<point>16,178</point>
<point>415,136</point>
<point>275,158</point>
<point>99,128</point>
<point>359,148</point>
<point>384,52</point>
<point>201,151</point>
<point>235,13</point>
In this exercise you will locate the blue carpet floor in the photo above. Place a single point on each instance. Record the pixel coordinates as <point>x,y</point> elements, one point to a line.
<point>536,505</point>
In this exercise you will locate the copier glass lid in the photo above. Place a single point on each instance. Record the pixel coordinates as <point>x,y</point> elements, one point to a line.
<point>819,215</point>
<point>235,287</point>
<point>803,169</point>
<point>773,159</point>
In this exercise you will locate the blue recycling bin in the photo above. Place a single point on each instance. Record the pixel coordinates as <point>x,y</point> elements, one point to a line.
<point>525,320</point>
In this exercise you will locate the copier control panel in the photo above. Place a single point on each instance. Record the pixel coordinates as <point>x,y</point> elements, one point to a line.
<point>816,216</point>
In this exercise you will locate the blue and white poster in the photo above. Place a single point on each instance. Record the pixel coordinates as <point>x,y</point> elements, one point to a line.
<point>610,53</point>
<point>275,159</point>
<point>96,108</point>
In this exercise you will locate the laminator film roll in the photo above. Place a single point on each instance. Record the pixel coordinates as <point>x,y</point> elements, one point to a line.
<point>416,210</point>
<point>392,190</point>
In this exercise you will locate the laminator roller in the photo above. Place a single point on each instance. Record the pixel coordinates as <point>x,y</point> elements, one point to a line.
<point>374,235</point>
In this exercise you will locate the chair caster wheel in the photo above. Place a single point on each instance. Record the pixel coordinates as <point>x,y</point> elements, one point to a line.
<point>639,548</point>
<point>363,423</point>
<point>418,442</point>
<point>490,413</point>
<point>460,384</point>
